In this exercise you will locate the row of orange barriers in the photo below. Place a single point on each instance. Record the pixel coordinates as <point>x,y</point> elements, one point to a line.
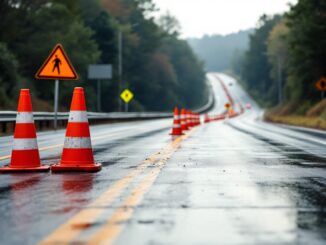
<point>184,120</point>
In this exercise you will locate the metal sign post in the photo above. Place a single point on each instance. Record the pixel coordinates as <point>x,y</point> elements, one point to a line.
<point>126,107</point>
<point>56,102</point>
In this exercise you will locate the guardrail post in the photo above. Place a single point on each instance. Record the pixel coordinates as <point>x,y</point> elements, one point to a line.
<point>4,127</point>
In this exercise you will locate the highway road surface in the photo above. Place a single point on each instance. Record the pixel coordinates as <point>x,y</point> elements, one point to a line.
<point>234,181</point>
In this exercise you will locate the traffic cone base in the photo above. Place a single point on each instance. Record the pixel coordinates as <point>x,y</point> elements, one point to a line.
<point>94,167</point>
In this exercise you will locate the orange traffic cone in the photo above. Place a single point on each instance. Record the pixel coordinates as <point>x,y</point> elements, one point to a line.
<point>192,116</point>
<point>25,155</point>
<point>183,119</point>
<point>197,119</point>
<point>206,119</point>
<point>187,119</point>
<point>176,130</point>
<point>189,124</point>
<point>77,152</point>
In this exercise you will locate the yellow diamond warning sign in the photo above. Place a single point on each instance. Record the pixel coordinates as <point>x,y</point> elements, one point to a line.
<point>57,66</point>
<point>126,95</point>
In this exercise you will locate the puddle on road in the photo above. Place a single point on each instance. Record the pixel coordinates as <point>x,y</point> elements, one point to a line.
<point>20,182</point>
<point>308,196</point>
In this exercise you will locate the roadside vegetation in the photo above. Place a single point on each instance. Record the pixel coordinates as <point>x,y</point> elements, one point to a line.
<point>158,66</point>
<point>285,58</point>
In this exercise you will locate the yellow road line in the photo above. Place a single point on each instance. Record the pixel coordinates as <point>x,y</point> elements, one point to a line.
<point>110,231</point>
<point>114,226</point>
<point>67,232</point>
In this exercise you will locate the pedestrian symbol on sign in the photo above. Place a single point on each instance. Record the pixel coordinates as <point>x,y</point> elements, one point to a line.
<point>57,64</point>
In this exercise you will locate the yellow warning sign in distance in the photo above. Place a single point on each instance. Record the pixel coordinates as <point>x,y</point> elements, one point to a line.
<point>57,66</point>
<point>126,95</point>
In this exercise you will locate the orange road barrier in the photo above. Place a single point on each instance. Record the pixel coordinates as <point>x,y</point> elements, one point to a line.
<point>77,152</point>
<point>176,130</point>
<point>183,120</point>
<point>195,119</point>
<point>25,156</point>
<point>206,119</point>
<point>188,119</point>
<point>191,119</point>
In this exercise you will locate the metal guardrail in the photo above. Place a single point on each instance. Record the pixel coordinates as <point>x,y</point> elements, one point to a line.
<point>10,116</point>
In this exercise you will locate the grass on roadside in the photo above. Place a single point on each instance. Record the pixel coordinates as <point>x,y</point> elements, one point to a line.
<point>304,121</point>
<point>302,114</point>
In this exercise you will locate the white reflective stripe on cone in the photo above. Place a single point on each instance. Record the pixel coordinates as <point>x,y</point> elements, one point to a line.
<point>24,117</point>
<point>78,116</point>
<point>77,143</point>
<point>25,144</point>
<point>176,125</point>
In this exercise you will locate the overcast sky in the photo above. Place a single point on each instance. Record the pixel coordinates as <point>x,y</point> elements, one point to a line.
<point>199,17</point>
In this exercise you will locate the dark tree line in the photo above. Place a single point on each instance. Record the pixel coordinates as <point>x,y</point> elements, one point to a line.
<point>158,66</point>
<point>291,49</point>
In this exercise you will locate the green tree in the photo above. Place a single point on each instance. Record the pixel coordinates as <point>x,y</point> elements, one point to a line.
<point>8,77</point>
<point>278,55</point>
<point>256,69</point>
<point>159,68</point>
<point>307,53</point>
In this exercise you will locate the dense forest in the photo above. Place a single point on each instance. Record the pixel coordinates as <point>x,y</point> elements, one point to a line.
<point>159,67</point>
<point>286,57</point>
<point>220,52</point>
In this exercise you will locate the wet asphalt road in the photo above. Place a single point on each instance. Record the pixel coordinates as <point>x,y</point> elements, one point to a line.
<point>237,181</point>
